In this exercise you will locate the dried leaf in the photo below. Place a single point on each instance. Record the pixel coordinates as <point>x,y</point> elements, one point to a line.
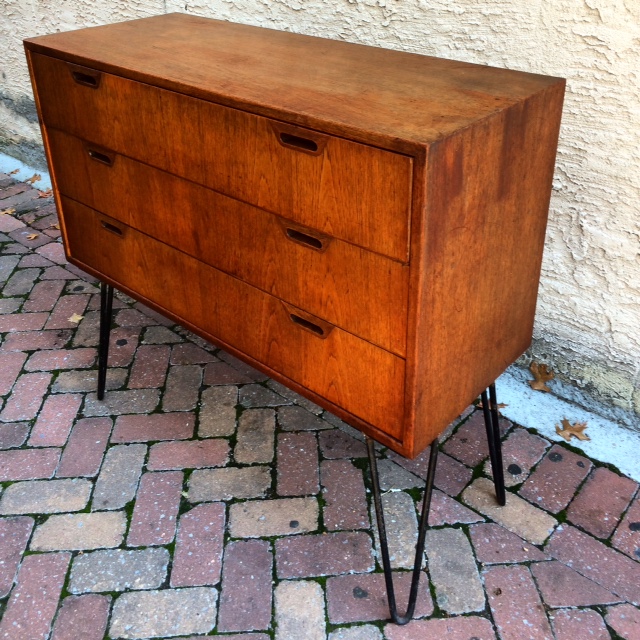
<point>501,405</point>
<point>55,226</point>
<point>11,173</point>
<point>576,430</point>
<point>542,374</point>
<point>34,178</point>
<point>75,318</point>
<point>7,212</point>
<point>32,236</point>
<point>45,194</point>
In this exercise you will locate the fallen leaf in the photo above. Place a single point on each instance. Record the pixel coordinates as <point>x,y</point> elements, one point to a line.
<point>576,430</point>
<point>34,178</point>
<point>32,236</point>
<point>542,374</point>
<point>7,212</point>
<point>11,173</point>
<point>501,405</point>
<point>75,318</point>
<point>45,194</point>
<point>55,226</point>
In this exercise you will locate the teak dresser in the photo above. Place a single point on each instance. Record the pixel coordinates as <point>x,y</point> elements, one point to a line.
<point>364,225</point>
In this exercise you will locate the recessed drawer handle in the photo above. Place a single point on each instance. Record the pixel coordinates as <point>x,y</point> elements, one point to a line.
<point>100,156</point>
<point>111,227</point>
<point>299,139</point>
<point>311,326</point>
<point>304,238</point>
<point>296,141</point>
<point>85,77</point>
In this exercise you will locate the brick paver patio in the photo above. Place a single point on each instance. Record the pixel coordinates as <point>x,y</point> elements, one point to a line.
<point>202,499</point>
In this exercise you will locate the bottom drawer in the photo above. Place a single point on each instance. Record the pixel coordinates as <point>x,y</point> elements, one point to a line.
<point>354,374</point>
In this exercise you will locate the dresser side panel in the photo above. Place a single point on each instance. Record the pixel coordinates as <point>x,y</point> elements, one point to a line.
<point>489,189</point>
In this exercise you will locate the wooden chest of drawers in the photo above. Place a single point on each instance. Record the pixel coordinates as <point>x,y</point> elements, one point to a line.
<point>364,225</point>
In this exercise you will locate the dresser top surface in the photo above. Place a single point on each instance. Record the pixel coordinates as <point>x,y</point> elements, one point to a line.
<point>383,96</point>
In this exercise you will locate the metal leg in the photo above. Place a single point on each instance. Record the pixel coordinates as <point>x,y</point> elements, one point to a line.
<point>106,307</point>
<point>422,531</point>
<point>490,411</point>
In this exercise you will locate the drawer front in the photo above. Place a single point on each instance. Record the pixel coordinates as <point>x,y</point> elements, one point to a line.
<point>348,190</point>
<point>352,373</point>
<point>358,290</point>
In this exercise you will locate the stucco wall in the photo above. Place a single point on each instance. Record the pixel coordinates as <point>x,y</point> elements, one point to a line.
<point>589,310</point>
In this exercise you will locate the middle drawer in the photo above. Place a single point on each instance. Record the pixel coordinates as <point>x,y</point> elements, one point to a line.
<point>362,292</point>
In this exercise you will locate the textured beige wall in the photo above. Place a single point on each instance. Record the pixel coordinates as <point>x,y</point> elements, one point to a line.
<point>588,323</point>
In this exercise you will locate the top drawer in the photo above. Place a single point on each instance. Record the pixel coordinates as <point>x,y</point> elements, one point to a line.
<point>351,191</point>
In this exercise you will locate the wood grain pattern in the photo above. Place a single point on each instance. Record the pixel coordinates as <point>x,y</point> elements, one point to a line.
<point>332,207</point>
<point>334,284</point>
<point>391,98</point>
<point>342,368</point>
<point>357,193</point>
<point>480,268</point>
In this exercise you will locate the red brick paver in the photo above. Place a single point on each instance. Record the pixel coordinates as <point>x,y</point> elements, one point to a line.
<point>469,443</point>
<point>363,597</point>
<point>220,373</point>
<point>494,544</point>
<point>54,422</point>
<point>149,367</point>
<point>321,555</point>
<point>14,535</point>
<point>32,340</point>
<point>28,464</point>
<point>26,397</point>
<point>61,359</point>
<point>446,510</point>
<point>297,467</point>
<point>53,251</point>
<point>10,367</point>
<point>561,586</point>
<point>40,582</point>
<point>22,321</point>
<point>625,621</point>
<point>555,480</point>
<point>462,628</point>
<point>156,426</point>
<point>515,604</point>
<point>575,624</point>
<point>123,342</point>
<point>601,502</point>
<point>82,618</point>
<point>188,353</point>
<point>609,568</point>
<point>337,444</point>
<point>156,509</point>
<point>521,450</point>
<point>13,434</point>
<point>198,556</point>
<point>195,454</point>
<point>44,295</point>
<point>451,476</point>
<point>627,536</point>
<point>65,309</point>
<point>246,595</point>
<point>344,494</point>
<point>85,449</point>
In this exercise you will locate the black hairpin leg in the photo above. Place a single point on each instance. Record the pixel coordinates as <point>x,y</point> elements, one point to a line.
<point>422,531</point>
<point>106,307</point>
<point>490,411</point>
